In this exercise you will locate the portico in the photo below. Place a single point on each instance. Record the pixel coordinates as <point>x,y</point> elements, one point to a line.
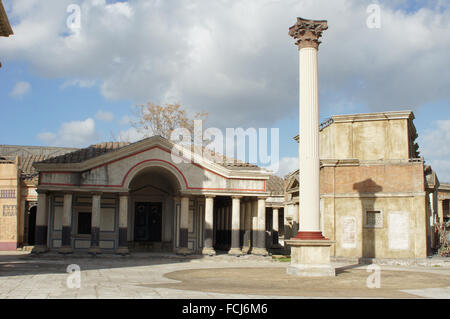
<point>115,197</point>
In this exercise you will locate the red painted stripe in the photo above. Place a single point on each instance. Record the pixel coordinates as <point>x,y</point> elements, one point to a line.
<point>8,246</point>
<point>150,160</point>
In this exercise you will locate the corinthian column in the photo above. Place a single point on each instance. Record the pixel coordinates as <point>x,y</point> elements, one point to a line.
<point>310,249</point>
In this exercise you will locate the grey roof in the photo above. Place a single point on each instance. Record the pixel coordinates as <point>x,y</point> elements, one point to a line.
<point>81,155</point>
<point>276,185</point>
<point>28,155</point>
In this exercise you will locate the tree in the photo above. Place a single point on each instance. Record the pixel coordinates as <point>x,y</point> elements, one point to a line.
<point>153,119</point>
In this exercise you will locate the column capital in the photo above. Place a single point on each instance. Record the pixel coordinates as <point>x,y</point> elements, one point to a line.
<point>42,191</point>
<point>96,193</point>
<point>123,194</point>
<point>237,197</point>
<point>307,32</point>
<point>210,196</point>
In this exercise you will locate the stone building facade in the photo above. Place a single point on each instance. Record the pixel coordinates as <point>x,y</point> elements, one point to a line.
<point>114,196</point>
<point>18,197</point>
<point>376,194</point>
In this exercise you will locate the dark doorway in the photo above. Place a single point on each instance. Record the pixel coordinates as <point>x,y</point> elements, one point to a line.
<point>148,222</point>
<point>31,225</point>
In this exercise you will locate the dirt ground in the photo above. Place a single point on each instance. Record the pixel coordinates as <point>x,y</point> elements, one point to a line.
<point>274,281</point>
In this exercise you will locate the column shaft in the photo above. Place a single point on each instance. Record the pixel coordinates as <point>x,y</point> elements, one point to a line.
<point>208,227</point>
<point>184,223</point>
<point>41,224</point>
<point>309,161</point>
<point>123,225</point>
<point>275,227</point>
<point>235,227</point>
<point>260,247</point>
<point>95,224</point>
<point>66,244</point>
<point>247,227</point>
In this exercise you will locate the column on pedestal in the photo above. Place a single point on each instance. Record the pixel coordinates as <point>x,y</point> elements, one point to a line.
<point>254,233</point>
<point>208,226</point>
<point>95,224</point>
<point>123,224</point>
<point>247,227</point>
<point>40,239</point>
<point>235,226</point>
<point>66,243</point>
<point>310,251</point>
<point>183,231</point>
<point>260,247</point>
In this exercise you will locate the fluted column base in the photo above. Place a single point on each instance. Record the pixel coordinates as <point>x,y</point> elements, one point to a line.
<point>235,252</point>
<point>209,251</point>
<point>259,251</point>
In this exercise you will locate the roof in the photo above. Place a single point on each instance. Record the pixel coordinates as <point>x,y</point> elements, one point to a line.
<point>28,155</point>
<point>5,27</point>
<point>81,155</point>
<point>275,185</point>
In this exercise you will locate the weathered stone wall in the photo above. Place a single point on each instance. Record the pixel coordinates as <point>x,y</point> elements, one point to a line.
<point>9,208</point>
<point>395,191</point>
<point>366,140</point>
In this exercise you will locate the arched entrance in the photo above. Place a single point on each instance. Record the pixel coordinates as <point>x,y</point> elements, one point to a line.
<point>152,205</point>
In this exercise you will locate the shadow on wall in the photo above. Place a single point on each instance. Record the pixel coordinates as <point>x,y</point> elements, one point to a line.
<point>371,218</point>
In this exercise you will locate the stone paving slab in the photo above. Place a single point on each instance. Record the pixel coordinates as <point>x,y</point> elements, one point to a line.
<point>45,277</point>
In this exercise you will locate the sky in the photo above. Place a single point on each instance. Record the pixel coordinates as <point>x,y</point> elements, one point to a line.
<point>65,86</point>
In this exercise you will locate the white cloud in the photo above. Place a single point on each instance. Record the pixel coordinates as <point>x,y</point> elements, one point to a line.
<point>285,166</point>
<point>130,135</point>
<point>72,134</point>
<point>234,58</point>
<point>435,148</point>
<point>20,89</point>
<point>104,116</point>
<point>79,83</point>
<point>125,120</point>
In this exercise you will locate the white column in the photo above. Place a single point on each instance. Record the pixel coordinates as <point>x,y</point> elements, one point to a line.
<point>95,224</point>
<point>40,234</point>
<point>235,226</point>
<point>183,231</point>
<point>247,227</point>
<point>309,162</point>
<point>208,226</point>
<point>275,227</point>
<point>310,251</point>
<point>260,247</point>
<point>123,224</point>
<point>66,243</point>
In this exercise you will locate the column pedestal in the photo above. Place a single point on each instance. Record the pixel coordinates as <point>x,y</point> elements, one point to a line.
<point>310,258</point>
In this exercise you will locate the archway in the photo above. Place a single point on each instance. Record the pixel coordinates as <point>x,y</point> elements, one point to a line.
<point>153,209</point>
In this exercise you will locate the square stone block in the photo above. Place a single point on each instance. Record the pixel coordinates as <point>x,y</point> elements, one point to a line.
<point>310,258</point>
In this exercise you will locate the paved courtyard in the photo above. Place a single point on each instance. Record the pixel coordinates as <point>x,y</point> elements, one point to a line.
<point>224,277</point>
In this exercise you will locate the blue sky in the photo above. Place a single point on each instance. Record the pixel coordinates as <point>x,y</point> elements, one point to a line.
<point>231,59</point>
